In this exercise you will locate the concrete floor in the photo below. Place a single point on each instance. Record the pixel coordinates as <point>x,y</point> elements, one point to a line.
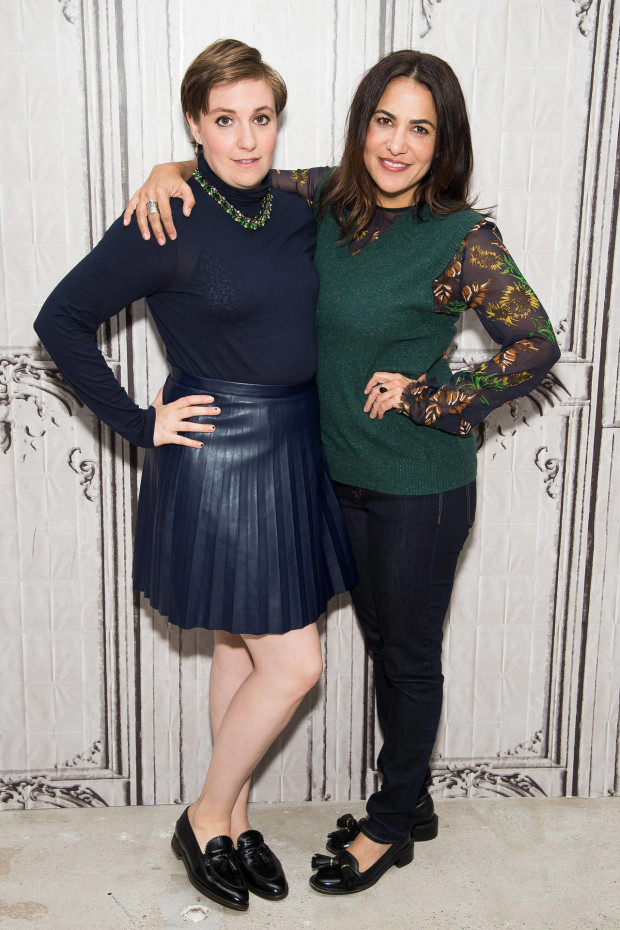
<point>496,865</point>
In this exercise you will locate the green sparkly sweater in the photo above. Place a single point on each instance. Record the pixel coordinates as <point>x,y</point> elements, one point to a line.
<point>375,313</point>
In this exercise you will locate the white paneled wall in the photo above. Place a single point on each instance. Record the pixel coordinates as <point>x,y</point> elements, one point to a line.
<point>102,701</point>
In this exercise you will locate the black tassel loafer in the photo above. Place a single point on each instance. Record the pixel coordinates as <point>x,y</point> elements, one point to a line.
<point>260,867</point>
<point>216,873</point>
<point>426,826</point>
<point>341,875</point>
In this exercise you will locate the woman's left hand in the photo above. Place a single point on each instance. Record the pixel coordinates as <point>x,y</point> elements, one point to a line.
<point>385,390</point>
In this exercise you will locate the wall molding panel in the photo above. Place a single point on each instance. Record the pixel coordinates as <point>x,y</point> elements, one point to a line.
<point>106,704</point>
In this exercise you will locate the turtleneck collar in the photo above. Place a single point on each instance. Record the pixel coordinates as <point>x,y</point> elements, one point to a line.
<point>247,200</point>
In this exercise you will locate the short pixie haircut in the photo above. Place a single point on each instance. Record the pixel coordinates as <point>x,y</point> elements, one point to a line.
<point>225,62</point>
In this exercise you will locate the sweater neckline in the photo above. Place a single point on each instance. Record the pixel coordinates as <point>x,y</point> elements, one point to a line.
<point>429,221</point>
<point>401,211</point>
<point>246,199</point>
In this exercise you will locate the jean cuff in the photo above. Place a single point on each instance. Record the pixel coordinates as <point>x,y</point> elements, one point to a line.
<point>373,836</point>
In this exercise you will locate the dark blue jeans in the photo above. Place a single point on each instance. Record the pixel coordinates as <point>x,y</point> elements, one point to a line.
<point>406,548</point>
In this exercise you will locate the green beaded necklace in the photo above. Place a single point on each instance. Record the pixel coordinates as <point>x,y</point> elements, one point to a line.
<point>248,222</point>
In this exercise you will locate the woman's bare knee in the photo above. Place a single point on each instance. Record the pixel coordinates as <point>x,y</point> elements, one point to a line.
<point>303,675</point>
<point>295,655</point>
<point>295,681</point>
<point>313,671</point>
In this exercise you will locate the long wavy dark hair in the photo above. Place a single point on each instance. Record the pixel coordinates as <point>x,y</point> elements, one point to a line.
<point>350,192</point>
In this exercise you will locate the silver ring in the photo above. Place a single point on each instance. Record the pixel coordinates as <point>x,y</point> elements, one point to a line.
<point>382,389</point>
<point>152,207</point>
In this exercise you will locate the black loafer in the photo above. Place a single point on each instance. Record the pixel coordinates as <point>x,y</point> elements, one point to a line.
<point>341,875</point>
<point>260,867</point>
<point>426,826</point>
<point>216,872</point>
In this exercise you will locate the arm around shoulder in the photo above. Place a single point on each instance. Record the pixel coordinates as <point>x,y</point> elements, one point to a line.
<point>165,181</point>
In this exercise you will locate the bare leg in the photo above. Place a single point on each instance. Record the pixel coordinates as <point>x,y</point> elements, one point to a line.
<point>231,665</point>
<point>286,667</point>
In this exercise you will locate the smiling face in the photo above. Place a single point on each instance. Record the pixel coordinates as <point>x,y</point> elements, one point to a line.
<point>238,133</point>
<point>400,141</point>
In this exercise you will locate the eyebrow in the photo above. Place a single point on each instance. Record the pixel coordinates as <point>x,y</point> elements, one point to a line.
<point>226,110</point>
<point>412,122</point>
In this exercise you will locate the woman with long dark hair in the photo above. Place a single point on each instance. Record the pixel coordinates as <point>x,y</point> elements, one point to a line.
<point>401,254</point>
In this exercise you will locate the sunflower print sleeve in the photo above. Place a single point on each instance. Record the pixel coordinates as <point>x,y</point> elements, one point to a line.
<point>302,181</point>
<point>484,277</point>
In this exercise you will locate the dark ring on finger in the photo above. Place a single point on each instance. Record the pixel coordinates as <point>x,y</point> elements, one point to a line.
<point>382,389</point>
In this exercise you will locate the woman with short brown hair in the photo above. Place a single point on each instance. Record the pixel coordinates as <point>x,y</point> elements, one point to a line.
<point>238,527</point>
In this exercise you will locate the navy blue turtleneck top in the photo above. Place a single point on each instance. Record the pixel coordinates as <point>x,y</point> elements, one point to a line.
<point>230,303</point>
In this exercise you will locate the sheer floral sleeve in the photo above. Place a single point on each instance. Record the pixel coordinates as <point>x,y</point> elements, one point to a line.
<point>483,277</point>
<point>302,181</point>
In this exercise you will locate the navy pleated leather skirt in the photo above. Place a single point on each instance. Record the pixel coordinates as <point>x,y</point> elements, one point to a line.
<point>245,534</point>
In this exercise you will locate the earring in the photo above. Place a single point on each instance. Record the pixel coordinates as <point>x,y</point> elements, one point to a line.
<point>197,148</point>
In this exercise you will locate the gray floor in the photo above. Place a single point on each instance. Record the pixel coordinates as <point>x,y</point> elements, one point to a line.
<point>496,865</point>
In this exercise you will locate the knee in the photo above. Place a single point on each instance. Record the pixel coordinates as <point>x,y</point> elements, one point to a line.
<point>423,681</point>
<point>413,664</point>
<point>306,675</point>
<point>288,665</point>
<point>313,669</point>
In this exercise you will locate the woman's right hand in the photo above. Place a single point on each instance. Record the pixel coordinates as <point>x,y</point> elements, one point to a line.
<point>164,181</point>
<point>172,419</point>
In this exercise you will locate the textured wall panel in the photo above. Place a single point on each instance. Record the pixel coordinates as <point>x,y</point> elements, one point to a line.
<point>103,702</point>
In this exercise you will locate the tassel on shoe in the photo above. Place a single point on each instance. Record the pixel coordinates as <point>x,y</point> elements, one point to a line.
<point>321,861</point>
<point>347,822</point>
